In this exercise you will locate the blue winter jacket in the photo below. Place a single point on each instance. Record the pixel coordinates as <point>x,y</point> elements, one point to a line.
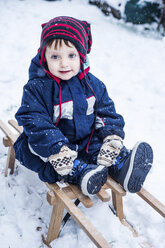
<point>54,114</point>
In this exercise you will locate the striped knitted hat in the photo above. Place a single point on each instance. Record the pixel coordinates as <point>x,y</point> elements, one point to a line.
<point>67,28</point>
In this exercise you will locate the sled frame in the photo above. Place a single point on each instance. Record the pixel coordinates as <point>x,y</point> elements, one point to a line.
<point>62,198</point>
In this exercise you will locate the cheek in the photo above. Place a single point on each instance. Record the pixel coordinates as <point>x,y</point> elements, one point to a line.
<point>77,68</point>
<point>52,66</point>
<point>78,65</point>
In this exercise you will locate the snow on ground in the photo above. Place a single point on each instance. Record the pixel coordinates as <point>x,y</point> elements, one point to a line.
<point>132,67</point>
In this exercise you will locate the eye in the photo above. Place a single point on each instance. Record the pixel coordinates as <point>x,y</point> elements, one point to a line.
<point>72,55</point>
<point>54,57</point>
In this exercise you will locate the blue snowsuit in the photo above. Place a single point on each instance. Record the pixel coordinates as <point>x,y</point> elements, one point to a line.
<point>77,113</point>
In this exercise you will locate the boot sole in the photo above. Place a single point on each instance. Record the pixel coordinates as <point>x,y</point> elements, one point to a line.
<point>140,164</point>
<point>94,180</point>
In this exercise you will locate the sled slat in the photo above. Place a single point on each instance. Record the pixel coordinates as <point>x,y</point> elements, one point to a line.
<point>7,131</point>
<point>131,228</point>
<point>152,201</point>
<point>115,186</point>
<point>15,125</point>
<point>51,198</point>
<point>103,195</point>
<point>80,218</point>
<point>85,200</point>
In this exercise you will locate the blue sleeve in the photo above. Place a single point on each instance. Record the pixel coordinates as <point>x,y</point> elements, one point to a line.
<point>108,122</point>
<point>37,120</point>
<point>45,170</point>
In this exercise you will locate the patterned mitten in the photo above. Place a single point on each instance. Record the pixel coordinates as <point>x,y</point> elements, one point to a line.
<point>62,162</point>
<point>109,151</point>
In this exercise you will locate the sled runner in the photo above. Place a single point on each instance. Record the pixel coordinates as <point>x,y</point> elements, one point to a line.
<point>62,198</point>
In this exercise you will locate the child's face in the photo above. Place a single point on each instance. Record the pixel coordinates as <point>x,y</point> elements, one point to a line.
<point>63,62</point>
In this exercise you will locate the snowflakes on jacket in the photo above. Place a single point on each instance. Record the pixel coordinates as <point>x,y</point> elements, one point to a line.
<point>54,114</point>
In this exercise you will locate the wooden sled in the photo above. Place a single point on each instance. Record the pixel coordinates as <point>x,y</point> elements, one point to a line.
<point>62,198</point>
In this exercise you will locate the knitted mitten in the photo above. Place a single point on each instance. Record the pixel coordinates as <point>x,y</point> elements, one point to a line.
<point>109,151</point>
<point>62,162</point>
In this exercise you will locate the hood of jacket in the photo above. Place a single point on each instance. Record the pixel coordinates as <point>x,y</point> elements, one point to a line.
<point>35,69</point>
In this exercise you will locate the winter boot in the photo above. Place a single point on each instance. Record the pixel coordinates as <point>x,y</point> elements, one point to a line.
<point>89,177</point>
<point>132,167</point>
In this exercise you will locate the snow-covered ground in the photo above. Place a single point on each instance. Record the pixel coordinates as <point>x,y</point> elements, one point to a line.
<point>131,65</point>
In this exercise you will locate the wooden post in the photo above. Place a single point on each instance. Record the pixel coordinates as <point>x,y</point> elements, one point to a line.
<point>80,218</point>
<point>118,205</point>
<point>55,222</point>
<point>10,161</point>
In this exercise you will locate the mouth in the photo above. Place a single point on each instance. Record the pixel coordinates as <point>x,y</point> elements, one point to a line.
<point>65,72</point>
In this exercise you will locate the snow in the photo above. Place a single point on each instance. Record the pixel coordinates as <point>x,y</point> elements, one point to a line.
<point>117,4</point>
<point>131,64</point>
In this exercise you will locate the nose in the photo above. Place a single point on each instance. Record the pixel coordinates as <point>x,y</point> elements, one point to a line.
<point>64,62</point>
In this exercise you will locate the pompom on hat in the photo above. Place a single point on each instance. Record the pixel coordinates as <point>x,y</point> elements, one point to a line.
<point>68,28</point>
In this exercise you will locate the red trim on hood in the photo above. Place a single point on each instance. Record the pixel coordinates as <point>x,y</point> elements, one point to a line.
<point>83,73</point>
<point>53,77</point>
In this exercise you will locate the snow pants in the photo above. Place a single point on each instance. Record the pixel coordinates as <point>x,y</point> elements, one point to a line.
<point>45,170</point>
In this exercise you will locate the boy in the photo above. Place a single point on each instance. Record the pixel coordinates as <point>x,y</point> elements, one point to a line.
<point>72,132</point>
